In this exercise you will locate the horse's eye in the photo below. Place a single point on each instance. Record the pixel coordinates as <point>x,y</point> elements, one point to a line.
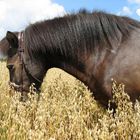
<point>10,67</point>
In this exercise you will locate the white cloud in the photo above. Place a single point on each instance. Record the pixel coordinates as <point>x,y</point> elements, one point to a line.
<point>125,11</point>
<point>2,10</point>
<point>15,15</point>
<point>138,12</point>
<point>134,1</point>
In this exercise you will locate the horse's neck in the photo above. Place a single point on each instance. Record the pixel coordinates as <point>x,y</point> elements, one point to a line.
<point>78,69</point>
<point>89,68</point>
<point>74,71</point>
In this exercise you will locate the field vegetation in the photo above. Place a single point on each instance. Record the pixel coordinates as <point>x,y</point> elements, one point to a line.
<point>65,110</point>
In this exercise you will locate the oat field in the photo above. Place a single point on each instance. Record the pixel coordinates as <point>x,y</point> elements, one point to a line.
<point>65,110</point>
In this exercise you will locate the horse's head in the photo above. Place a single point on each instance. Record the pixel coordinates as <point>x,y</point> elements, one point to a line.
<point>22,70</point>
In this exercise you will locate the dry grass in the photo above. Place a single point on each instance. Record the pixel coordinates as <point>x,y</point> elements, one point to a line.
<point>66,110</point>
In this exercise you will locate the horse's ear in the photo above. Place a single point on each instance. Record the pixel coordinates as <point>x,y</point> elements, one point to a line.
<point>4,47</point>
<point>12,39</point>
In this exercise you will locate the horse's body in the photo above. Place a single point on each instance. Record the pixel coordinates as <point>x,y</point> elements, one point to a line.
<point>93,47</point>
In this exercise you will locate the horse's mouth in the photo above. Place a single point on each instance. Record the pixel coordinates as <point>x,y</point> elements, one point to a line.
<point>19,88</point>
<point>16,87</point>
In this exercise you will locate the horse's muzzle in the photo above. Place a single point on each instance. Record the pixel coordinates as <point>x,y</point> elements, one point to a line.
<point>16,87</point>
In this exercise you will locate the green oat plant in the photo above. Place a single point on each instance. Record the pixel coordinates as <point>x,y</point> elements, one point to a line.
<point>65,110</point>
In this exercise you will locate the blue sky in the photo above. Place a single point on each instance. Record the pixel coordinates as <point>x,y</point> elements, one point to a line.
<point>111,6</point>
<point>15,15</point>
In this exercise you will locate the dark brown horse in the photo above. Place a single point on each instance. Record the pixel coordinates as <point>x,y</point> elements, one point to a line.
<point>4,47</point>
<point>93,47</point>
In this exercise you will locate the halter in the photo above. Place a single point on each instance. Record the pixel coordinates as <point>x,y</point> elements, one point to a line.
<point>21,56</point>
<point>20,52</point>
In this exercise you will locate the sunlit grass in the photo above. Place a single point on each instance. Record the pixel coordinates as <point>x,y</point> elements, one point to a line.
<point>65,110</point>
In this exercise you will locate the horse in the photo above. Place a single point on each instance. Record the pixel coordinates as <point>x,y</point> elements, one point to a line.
<point>4,47</point>
<point>94,47</point>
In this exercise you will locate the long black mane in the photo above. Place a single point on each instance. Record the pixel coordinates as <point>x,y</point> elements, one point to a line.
<point>81,31</point>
